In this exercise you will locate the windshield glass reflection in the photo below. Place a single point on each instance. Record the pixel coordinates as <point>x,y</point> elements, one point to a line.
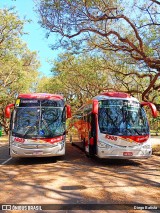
<point>39,122</point>
<point>122,117</point>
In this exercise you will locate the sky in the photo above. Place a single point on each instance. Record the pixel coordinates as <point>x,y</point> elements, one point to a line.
<point>35,39</point>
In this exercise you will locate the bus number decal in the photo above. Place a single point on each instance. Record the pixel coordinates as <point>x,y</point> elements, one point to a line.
<point>20,140</point>
<point>111,137</point>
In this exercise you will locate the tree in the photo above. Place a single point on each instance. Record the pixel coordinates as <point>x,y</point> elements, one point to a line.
<point>130,29</point>
<point>82,77</point>
<point>77,78</point>
<point>132,79</point>
<point>18,65</point>
<point>11,30</point>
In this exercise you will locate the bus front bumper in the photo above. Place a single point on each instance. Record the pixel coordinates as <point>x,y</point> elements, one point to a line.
<point>124,154</point>
<point>17,151</point>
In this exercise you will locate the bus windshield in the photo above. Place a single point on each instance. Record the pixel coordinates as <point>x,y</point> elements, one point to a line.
<point>39,122</point>
<point>122,117</point>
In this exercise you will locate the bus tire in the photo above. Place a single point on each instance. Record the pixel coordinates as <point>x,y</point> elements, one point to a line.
<point>71,141</point>
<point>59,158</point>
<point>87,153</point>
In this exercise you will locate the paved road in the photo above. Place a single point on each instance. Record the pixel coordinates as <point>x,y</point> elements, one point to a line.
<point>76,179</point>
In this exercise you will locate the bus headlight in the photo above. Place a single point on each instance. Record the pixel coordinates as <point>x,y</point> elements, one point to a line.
<point>15,144</point>
<point>147,147</point>
<point>101,144</point>
<point>62,143</point>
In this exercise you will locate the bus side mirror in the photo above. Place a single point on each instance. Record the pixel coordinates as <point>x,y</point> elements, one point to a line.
<point>8,110</point>
<point>95,107</point>
<point>152,107</point>
<point>68,111</point>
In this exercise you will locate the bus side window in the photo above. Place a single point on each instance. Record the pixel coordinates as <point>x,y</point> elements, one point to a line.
<point>89,119</point>
<point>93,125</point>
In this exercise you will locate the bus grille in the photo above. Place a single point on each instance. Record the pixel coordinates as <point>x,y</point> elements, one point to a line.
<point>36,146</point>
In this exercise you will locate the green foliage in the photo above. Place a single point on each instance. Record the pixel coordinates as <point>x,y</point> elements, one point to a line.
<point>11,29</point>
<point>82,77</point>
<point>77,78</point>
<point>155,125</point>
<point>129,28</point>
<point>18,65</point>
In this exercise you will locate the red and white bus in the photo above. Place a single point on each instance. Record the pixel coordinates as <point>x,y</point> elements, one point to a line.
<point>37,125</point>
<point>113,125</point>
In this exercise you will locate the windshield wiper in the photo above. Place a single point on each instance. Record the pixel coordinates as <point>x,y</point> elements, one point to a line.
<point>30,129</point>
<point>112,121</point>
<point>139,133</point>
<point>47,127</point>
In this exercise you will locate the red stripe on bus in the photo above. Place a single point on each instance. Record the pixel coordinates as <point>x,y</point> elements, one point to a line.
<point>138,138</point>
<point>41,96</point>
<point>116,94</point>
<point>50,140</point>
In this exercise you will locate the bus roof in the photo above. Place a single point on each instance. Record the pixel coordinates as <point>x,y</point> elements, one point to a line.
<point>115,95</point>
<point>109,95</point>
<point>46,96</point>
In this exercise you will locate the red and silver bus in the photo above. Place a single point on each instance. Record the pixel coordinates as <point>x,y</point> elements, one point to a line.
<point>37,125</point>
<point>113,125</point>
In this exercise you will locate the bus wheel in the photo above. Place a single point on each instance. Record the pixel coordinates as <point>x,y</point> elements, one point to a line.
<point>59,158</point>
<point>71,141</point>
<point>87,153</point>
<point>83,142</point>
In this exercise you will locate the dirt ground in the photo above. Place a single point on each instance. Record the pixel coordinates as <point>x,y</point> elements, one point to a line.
<point>76,179</point>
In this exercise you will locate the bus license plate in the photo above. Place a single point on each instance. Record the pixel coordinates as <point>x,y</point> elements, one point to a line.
<point>127,153</point>
<point>38,153</point>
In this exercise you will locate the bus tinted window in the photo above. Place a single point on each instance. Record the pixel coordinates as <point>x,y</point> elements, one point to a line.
<point>27,102</point>
<point>38,122</point>
<point>122,117</point>
<point>35,102</point>
<point>58,103</point>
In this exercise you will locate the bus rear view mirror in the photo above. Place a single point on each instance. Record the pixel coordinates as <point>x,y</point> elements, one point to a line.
<point>68,111</point>
<point>95,107</point>
<point>8,110</point>
<point>152,107</point>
